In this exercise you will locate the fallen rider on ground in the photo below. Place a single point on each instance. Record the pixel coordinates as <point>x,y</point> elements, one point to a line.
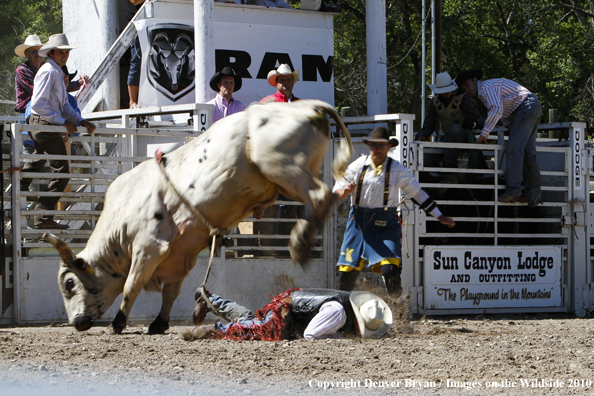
<point>308,313</point>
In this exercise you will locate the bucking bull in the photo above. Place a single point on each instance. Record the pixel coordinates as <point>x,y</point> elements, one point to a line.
<point>161,214</point>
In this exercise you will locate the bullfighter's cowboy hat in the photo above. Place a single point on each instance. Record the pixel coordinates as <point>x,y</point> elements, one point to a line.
<point>227,71</point>
<point>373,315</point>
<point>31,41</point>
<point>380,135</point>
<point>283,70</point>
<point>443,84</point>
<point>56,41</point>
<point>467,75</point>
<point>70,75</point>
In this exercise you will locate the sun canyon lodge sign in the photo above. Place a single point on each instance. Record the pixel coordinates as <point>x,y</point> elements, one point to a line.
<point>492,277</point>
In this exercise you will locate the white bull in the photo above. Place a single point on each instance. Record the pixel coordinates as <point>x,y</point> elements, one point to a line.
<point>149,237</point>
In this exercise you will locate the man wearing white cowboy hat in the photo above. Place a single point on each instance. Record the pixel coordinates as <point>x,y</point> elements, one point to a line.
<point>372,233</point>
<point>49,106</point>
<point>458,115</point>
<point>225,83</point>
<point>308,313</point>
<point>283,79</point>
<point>26,71</point>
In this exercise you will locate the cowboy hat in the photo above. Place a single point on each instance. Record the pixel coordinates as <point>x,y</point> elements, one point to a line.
<point>56,41</point>
<point>380,135</point>
<point>70,75</point>
<point>373,315</point>
<point>227,71</point>
<point>443,84</point>
<point>468,75</point>
<point>30,41</point>
<point>284,70</point>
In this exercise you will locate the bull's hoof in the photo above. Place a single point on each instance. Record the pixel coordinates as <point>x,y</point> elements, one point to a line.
<point>111,329</point>
<point>302,241</point>
<point>301,256</point>
<point>158,326</point>
<point>118,324</point>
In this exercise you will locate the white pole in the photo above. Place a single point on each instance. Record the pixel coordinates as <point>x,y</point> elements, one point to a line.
<point>423,62</point>
<point>433,42</point>
<point>111,90</point>
<point>377,78</point>
<point>204,48</point>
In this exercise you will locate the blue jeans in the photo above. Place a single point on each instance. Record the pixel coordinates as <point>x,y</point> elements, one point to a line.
<point>457,135</point>
<point>233,312</point>
<point>520,162</point>
<point>135,63</point>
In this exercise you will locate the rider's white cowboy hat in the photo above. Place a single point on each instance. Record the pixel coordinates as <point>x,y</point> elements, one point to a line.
<point>443,84</point>
<point>56,41</point>
<point>373,315</point>
<point>30,41</point>
<point>283,70</point>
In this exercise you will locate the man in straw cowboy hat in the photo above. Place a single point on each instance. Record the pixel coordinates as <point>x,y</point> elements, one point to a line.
<point>49,106</point>
<point>519,110</point>
<point>283,79</point>
<point>457,113</point>
<point>372,233</point>
<point>308,313</point>
<point>225,83</point>
<point>26,71</point>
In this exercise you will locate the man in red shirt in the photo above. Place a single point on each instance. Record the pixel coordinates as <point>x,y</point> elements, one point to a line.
<point>283,79</point>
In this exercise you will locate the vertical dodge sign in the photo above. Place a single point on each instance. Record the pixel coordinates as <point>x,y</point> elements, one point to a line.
<point>492,277</point>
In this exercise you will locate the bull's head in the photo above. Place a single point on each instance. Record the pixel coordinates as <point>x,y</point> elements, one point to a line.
<point>88,291</point>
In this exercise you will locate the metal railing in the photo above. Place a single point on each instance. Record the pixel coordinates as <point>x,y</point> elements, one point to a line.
<point>470,197</point>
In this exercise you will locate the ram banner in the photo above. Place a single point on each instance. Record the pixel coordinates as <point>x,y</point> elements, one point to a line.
<point>492,277</point>
<point>251,49</point>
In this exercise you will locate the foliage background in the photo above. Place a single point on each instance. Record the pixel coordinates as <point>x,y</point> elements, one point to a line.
<point>545,45</point>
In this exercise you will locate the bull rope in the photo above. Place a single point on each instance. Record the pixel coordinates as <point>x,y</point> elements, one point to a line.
<point>213,232</point>
<point>403,229</point>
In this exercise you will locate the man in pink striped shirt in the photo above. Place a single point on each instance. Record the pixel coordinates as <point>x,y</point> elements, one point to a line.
<point>225,83</point>
<point>520,111</point>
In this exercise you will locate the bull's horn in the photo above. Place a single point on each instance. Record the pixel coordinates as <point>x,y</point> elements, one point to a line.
<point>62,247</point>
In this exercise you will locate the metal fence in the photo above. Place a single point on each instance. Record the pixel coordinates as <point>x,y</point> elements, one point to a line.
<point>468,195</point>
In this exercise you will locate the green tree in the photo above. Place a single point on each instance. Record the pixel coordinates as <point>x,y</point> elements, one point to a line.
<point>545,45</point>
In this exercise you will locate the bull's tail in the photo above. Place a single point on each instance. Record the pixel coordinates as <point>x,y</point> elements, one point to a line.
<point>341,160</point>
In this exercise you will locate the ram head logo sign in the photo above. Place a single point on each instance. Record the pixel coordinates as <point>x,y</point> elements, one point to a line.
<point>171,62</point>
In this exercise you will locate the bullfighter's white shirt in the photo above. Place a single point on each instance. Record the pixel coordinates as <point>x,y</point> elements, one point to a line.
<point>372,191</point>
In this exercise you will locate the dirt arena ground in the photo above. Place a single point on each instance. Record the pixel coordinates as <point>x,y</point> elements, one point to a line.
<point>471,355</point>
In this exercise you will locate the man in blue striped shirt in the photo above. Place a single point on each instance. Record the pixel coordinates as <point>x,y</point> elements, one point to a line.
<point>520,111</point>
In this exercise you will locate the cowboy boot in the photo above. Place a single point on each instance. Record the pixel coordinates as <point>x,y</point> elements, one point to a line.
<point>202,332</point>
<point>200,312</point>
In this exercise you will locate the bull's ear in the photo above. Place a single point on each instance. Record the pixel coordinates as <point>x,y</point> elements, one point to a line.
<point>62,247</point>
<point>81,264</point>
